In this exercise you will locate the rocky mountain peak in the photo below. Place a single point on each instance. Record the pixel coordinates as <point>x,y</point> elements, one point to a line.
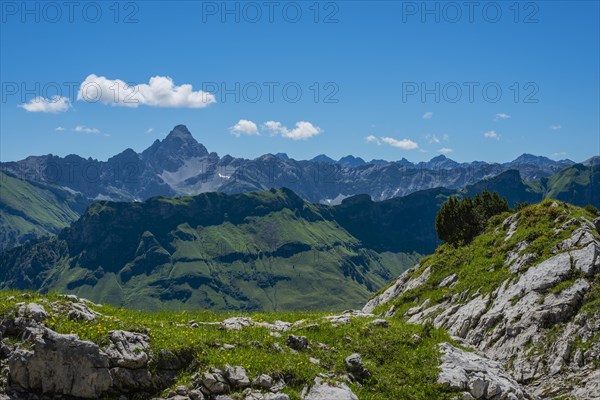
<point>351,161</point>
<point>180,131</point>
<point>527,158</point>
<point>171,153</point>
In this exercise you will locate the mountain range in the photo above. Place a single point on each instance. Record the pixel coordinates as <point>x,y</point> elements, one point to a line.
<point>43,194</point>
<point>179,165</point>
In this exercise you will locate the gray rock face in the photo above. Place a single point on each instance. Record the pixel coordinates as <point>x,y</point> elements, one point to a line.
<point>264,381</point>
<point>511,325</point>
<point>215,382</point>
<point>324,391</point>
<point>61,364</point>
<point>237,377</point>
<point>128,349</point>
<point>81,312</point>
<point>479,376</point>
<point>64,365</point>
<point>33,311</point>
<point>392,292</point>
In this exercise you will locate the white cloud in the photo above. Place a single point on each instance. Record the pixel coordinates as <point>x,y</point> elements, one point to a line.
<point>59,129</point>
<point>41,104</point>
<point>555,127</point>
<point>244,127</point>
<point>432,139</point>
<point>303,130</point>
<point>428,115</point>
<point>446,137</point>
<point>160,91</point>
<point>372,139</point>
<point>85,129</point>
<point>501,116</point>
<point>491,135</point>
<point>445,150</point>
<point>559,154</point>
<point>405,144</point>
<point>150,130</point>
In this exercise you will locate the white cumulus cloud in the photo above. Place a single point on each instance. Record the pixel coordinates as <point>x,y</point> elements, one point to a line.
<point>372,139</point>
<point>244,127</point>
<point>428,115</point>
<point>85,129</point>
<point>445,150</point>
<point>555,127</point>
<point>501,116</point>
<point>303,130</point>
<point>160,91</point>
<point>55,104</point>
<point>405,144</point>
<point>59,129</point>
<point>491,135</point>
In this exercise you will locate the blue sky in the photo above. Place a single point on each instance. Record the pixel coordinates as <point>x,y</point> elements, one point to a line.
<point>361,68</point>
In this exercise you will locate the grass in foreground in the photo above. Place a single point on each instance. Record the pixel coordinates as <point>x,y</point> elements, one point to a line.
<point>402,358</point>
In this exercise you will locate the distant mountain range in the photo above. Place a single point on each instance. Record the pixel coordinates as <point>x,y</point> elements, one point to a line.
<point>43,194</point>
<point>179,165</point>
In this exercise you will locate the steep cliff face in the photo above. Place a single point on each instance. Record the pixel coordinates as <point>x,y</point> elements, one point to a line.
<point>525,293</point>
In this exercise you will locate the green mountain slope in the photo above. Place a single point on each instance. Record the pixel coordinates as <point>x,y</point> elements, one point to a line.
<point>33,210</point>
<point>578,185</point>
<point>526,293</point>
<point>268,250</point>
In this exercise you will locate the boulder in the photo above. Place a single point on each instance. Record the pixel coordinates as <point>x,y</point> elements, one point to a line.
<point>237,377</point>
<point>322,390</point>
<point>380,322</point>
<point>81,312</point>
<point>215,383</point>
<point>263,381</point>
<point>33,311</point>
<point>128,349</point>
<point>356,368</point>
<point>297,342</point>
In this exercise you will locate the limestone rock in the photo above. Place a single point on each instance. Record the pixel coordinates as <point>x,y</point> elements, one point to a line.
<point>482,378</point>
<point>128,349</point>
<point>325,391</point>
<point>33,311</point>
<point>62,365</point>
<point>237,377</point>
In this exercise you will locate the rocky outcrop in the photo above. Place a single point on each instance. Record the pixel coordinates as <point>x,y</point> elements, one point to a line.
<point>64,365</point>
<point>84,370</point>
<point>477,376</point>
<point>532,323</point>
